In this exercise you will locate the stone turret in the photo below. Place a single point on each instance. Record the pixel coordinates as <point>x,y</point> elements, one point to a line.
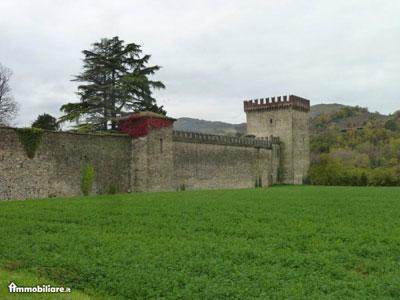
<point>288,118</point>
<point>152,157</point>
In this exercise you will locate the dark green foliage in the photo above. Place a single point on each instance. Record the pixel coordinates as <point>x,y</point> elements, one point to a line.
<point>391,125</point>
<point>46,122</point>
<point>278,243</point>
<point>115,81</point>
<point>384,177</point>
<point>331,171</point>
<point>363,179</point>
<point>112,189</point>
<point>328,171</point>
<point>87,179</point>
<point>30,138</point>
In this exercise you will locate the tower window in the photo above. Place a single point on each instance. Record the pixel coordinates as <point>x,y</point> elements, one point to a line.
<point>270,121</point>
<point>161,145</point>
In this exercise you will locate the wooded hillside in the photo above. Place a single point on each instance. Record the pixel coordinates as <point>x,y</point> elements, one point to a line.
<point>355,147</point>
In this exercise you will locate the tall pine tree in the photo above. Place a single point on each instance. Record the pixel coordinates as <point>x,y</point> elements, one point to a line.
<point>115,81</point>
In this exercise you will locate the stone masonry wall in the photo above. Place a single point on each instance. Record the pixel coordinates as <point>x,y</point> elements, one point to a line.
<point>301,146</point>
<point>163,160</point>
<point>277,123</point>
<point>152,161</point>
<point>203,162</point>
<point>56,169</point>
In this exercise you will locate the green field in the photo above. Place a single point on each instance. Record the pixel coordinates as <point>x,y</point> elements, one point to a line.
<point>281,242</point>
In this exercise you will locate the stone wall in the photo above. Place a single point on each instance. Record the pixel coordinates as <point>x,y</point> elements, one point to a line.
<point>156,158</point>
<point>278,123</point>
<point>163,160</point>
<point>208,162</point>
<point>152,161</point>
<point>56,169</point>
<point>301,146</point>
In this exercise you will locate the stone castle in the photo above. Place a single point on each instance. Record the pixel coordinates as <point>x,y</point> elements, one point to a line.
<point>150,156</point>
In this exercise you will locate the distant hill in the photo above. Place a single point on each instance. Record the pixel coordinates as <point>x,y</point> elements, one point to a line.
<point>344,116</point>
<point>222,128</point>
<point>210,127</point>
<point>325,108</point>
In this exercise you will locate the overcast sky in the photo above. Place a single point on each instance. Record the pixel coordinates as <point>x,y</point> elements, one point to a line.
<point>214,54</point>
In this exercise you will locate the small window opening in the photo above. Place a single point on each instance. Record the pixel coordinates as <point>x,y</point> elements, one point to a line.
<point>270,121</point>
<point>161,145</point>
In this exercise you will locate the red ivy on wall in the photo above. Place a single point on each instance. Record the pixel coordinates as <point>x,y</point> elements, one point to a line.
<point>137,125</point>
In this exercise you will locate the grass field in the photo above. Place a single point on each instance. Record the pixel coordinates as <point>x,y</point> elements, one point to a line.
<point>281,242</point>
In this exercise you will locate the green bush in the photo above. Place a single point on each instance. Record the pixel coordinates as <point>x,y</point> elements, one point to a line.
<point>46,122</point>
<point>30,138</point>
<point>384,177</point>
<point>329,170</point>
<point>87,179</point>
<point>112,189</point>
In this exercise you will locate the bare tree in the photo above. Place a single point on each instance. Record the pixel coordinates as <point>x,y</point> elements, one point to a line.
<point>8,106</point>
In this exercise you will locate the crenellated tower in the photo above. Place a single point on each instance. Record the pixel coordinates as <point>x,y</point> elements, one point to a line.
<point>286,117</point>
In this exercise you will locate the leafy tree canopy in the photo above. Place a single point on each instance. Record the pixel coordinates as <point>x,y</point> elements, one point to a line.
<point>46,122</point>
<point>116,80</point>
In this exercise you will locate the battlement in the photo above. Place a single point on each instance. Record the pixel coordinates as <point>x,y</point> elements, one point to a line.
<point>195,137</point>
<point>277,103</point>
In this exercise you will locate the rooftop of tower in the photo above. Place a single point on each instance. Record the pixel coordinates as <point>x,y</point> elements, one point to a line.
<point>276,103</point>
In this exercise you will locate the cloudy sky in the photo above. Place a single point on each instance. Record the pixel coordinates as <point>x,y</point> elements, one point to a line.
<point>214,53</point>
